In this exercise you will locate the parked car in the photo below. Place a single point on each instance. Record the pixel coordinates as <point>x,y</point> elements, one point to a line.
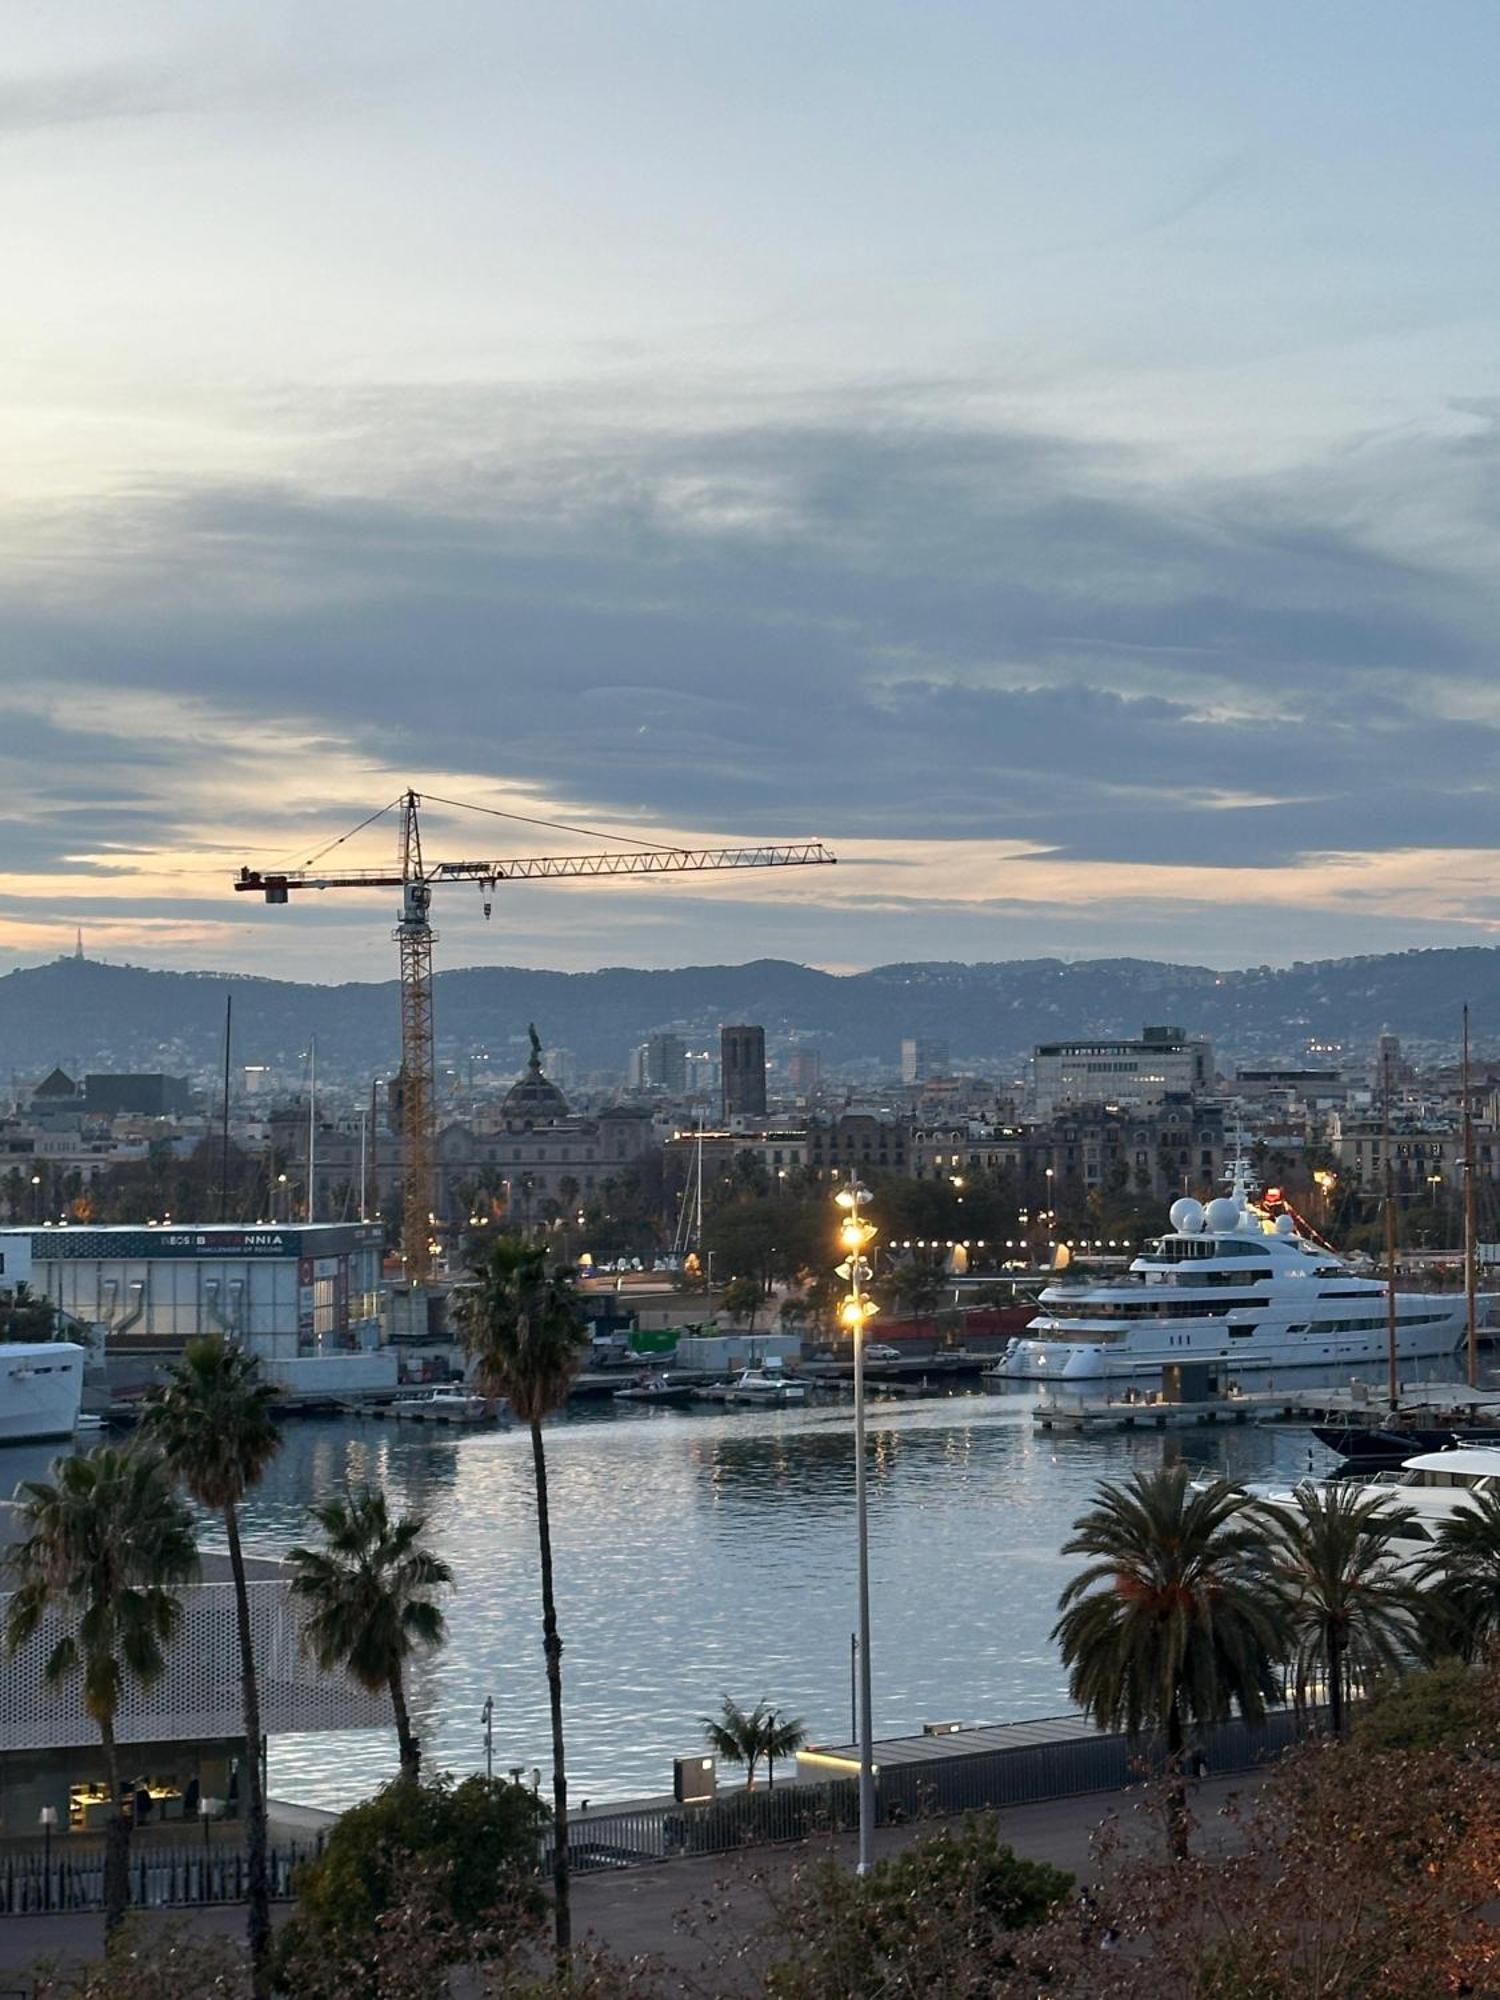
<point>877,1352</point>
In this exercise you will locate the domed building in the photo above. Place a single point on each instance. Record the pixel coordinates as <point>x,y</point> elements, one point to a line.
<point>533,1099</point>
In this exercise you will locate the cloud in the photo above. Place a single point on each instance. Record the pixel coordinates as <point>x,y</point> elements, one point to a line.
<point>872,620</point>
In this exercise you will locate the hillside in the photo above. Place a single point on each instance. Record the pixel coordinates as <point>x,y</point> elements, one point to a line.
<point>83,1013</point>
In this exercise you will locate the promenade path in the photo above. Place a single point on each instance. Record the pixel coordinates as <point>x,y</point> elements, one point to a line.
<point>687,1913</point>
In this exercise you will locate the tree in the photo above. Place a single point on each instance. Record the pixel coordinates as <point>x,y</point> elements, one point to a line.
<point>525,1334</point>
<point>25,1315</point>
<point>783,1736</point>
<point>211,1420</point>
<point>1351,1609</point>
<point>369,1593</point>
<point>477,1845</point>
<point>745,1735</point>
<point>1463,1579</point>
<point>1179,1616</point>
<point>917,1287</point>
<point>1446,1707</point>
<point>107,1545</point>
<point>743,1299</point>
<point>941,1917</point>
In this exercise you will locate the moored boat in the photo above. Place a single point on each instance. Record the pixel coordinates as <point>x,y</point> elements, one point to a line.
<point>448,1406</point>
<point>661,1389</point>
<point>766,1384</point>
<point>41,1387</point>
<point>1227,1284</point>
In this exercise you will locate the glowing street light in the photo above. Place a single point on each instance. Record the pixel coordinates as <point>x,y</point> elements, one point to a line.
<point>855,1237</point>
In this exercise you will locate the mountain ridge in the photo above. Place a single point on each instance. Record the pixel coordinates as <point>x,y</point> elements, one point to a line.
<point>87,1013</point>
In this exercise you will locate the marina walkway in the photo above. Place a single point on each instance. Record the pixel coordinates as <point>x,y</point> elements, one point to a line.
<point>691,1915</point>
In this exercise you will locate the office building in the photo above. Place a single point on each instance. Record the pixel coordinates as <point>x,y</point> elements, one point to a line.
<point>1163,1063</point>
<point>742,1070</point>
<point>923,1056</point>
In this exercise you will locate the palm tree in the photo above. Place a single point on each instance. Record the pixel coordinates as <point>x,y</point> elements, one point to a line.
<point>369,1592</point>
<point>211,1419</point>
<point>1352,1611</point>
<point>737,1735</point>
<point>107,1542</point>
<point>1179,1617</point>
<point>745,1735</point>
<point>783,1736</point>
<point>1462,1577</point>
<point>526,1337</point>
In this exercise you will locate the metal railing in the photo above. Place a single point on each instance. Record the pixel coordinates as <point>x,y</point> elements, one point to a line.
<point>32,1885</point>
<point>968,1781</point>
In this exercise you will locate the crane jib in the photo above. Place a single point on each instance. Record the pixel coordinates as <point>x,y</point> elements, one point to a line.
<point>276,887</point>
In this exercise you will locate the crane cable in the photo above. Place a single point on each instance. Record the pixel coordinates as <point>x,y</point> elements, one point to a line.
<point>555,825</point>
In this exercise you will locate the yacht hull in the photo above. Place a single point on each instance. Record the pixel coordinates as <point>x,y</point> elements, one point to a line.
<point>1079,1362</point>
<point>41,1387</point>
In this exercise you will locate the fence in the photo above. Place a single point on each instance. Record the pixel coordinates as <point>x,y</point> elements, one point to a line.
<point>931,1788</point>
<point>31,1884</point>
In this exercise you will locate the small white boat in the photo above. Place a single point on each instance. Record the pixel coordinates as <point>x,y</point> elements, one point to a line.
<point>444,1406</point>
<point>1435,1485</point>
<point>766,1384</point>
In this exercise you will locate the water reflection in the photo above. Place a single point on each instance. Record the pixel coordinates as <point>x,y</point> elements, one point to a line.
<point>699,1554</point>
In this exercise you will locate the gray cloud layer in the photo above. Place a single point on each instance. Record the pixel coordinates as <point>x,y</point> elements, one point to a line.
<point>857,624</point>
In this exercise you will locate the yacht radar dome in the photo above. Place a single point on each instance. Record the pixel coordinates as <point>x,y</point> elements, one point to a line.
<point>1186,1215</point>
<point>1222,1214</point>
<point>1285,1226</point>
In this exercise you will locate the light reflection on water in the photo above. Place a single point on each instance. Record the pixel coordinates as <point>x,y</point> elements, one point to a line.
<point>698,1555</point>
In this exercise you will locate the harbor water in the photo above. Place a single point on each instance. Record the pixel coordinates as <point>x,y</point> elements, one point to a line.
<point>702,1554</point>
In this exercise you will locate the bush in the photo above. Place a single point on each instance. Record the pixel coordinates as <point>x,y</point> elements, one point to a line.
<point>475,1850</point>
<point>940,1917</point>
<point>1447,1707</point>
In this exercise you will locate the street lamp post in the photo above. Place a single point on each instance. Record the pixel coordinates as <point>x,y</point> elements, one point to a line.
<point>48,1817</point>
<point>487,1717</point>
<point>855,1237</point>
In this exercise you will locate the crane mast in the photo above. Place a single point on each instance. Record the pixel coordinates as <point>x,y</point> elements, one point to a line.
<point>418,1079</point>
<point>415,937</point>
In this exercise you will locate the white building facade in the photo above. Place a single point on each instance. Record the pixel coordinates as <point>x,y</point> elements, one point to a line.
<point>1163,1063</point>
<point>304,1299</point>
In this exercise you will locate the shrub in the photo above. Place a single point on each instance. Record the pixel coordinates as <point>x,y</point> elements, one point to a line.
<point>940,1917</point>
<point>475,1847</point>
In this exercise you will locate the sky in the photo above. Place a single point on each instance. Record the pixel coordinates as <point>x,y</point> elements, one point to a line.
<point>1048,453</point>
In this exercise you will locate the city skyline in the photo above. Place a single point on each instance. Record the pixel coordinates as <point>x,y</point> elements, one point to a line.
<point>1050,459</point>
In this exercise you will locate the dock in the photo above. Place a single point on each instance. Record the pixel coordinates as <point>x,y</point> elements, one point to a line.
<point>1360,1402</point>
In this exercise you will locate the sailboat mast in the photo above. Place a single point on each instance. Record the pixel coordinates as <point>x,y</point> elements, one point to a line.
<point>1471,1276</point>
<point>312,1130</point>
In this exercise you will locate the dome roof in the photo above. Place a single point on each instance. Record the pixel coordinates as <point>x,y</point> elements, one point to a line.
<point>534,1099</point>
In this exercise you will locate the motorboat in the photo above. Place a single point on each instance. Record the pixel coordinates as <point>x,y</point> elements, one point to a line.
<point>448,1406</point>
<point>1383,1443</point>
<point>1231,1285</point>
<point>661,1389</point>
<point>766,1384</point>
<point>1435,1485</point>
<point>41,1388</point>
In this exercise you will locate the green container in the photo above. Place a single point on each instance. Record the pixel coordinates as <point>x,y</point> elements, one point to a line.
<point>662,1341</point>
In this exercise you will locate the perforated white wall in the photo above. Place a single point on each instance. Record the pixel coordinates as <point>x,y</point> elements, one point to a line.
<point>199,1694</point>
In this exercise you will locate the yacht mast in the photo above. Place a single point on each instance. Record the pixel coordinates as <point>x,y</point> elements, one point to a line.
<point>1471,1301</point>
<point>1393,1385</point>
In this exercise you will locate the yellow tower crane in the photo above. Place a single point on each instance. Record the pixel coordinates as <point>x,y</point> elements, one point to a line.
<point>416,877</point>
